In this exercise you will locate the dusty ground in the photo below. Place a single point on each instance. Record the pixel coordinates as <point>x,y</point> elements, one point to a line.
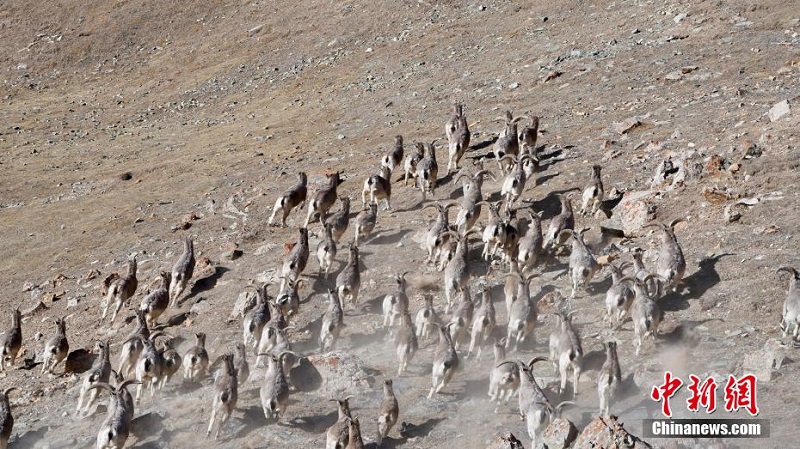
<point>213,106</point>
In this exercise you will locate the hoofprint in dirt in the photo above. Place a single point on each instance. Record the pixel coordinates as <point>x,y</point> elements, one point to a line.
<point>129,127</point>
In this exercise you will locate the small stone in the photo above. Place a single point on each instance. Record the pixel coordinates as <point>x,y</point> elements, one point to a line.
<point>127,176</point>
<point>779,110</point>
<point>679,17</point>
<point>626,125</point>
<point>481,7</point>
<point>513,85</point>
<point>230,250</point>
<point>340,137</point>
<point>708,304</point>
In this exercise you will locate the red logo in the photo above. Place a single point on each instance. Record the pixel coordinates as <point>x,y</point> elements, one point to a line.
<point>702,395</point>
<point>739,393</point>
<point>665,391</point>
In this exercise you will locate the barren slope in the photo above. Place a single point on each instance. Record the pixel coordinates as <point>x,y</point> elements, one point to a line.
<point>209,104</point>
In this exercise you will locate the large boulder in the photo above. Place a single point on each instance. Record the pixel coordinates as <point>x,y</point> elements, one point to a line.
<point>560,434</point>
<point>607,433</point>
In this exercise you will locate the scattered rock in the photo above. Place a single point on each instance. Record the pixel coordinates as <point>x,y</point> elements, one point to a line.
<point>245,302</point>
<point>553,74</point>
<point>230,250</point>
<point>607,433</point>
<point>708,303</point>
<point>764,363</point>
<point>341,372</point>
<point>560,434</point>
<point>632,213</point>
<point>626,125</point>
<point>732,212</point>
<point>779,110</point>
<point>748,149</point>
<point>715,166</point>
<point>509,442</point>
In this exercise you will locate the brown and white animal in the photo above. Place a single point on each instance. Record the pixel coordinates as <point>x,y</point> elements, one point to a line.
<point>378,187</point>
<point>195,361</point>
<point>411,162</point>
<point>445,361</point>
<point>226,394</point>
<point>133,345</point>
<point>562,221</point>
<point>671,264</point>
<point>593,193</point>
<point>294,197</point>
<point>116,427</point>
<point>295,262</point>
<point>405,343</point>
<point>528,136</point>
<point>323,199</point>
<point>338,434</point>
<point>507,142</point>
<point>458,137</point>
<point>12,340</point>
<point>389,411</point>
<point>609,379</point>
<point>121,290</point>
<point>182,271</point>
<point>156,302</point>
<point>619,296</point>
<point>504,377</point>
<point>428,171</point>
<point>56,349</point>
<point>566,351</point>
<point>6,418</point>
<point>394,157</point>
<point>790,319</point>
<point>348,281</point>
<point>99,372</point>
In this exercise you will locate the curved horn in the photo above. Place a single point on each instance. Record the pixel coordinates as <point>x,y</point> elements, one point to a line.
<point>561,405</point>
<point>103,385</point>
<point>536,359</point>
<point>512,362</point>
<point>9,390</point>
<point>675,221</point>
<point>125,384</point>
<point>787,269</point>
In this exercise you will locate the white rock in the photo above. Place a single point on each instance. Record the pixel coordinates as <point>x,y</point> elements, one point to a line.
<point>779,110</point>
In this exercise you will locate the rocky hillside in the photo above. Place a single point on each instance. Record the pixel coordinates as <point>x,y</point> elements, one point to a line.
<point>126,126</point>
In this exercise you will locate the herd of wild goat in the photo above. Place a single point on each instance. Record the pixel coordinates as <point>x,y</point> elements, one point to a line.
<point>510,242</point>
